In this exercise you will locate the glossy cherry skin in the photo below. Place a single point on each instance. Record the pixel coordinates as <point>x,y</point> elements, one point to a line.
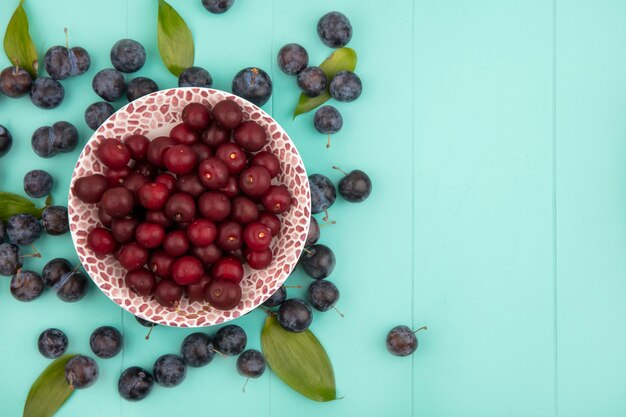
<point>157,149</point>
<point>117,177</point>
<point>183,134</point>
<point>233,156</point>
<point>168,180</point>
<point>124,229</point>
<point>176,243</point>
<point>150,235</point>
<point>228,268</point>
<point>231,188</point>
<point>257,236</point>
<point>271,221</point>
<point>132,256</point>
<point>104,218</point>
<point>134,182</point>
<point>187,270</point>
<point>243,210</point>
<point>190,184</point>
<point>228,114</point>
<point>229,235</point>
<point>207,254</point>
<point>117,202</point>
<point>215,135</point>
<point>113,153</point>
<point>180,207</point>
<point>180,159</point>
<point>168,293</point>
<point>196,116</point>
<point>153,196</point>
<point>141,281</point>
<point>250,136</point>
<point>202,151</point>
<point>89,189</point>
<point>277,199</point>
<point>201,232</point>
<point>138,146</point>
<point>214,206</point>
<point>158,217</point>
<point>213,173</point>
<point>197,290</point>
<point>222,294</point>
<point>258,260</point>
<point>101,241</point>
<point>160,263</point>
<point>146,169</point>
<point>268,161</point>
<point>255,181</point>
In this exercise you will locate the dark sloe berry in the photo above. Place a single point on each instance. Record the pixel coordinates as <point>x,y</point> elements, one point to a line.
<point>195,77</point>
<point>139,87</point>
<point>128,55</point>
<point>318,261</point>
<point>334,29</point>
<point>109,84</point>
<point>312,81</point>
<point>135,384</point>
<point>328,120</point>
<point>277,298</point>
<point>169,370</point>
<point>15,82</point>
<point>55,220</point>
<point>52,343</point>
<point>37,183</point>
<point>54,270</point>
<point>292,58</point>
<point>295,315</point>
<point>230,340</point>
<point>41,142</point>
<point>401,340</point>
<point>217,6</point>
<point>10,261</point>
<point>355,186</point>
<point>323,295</point>
<point>23,229</point>
<point>197,349</point>
<point>64,136</point>
<point>345,86</point>
<point>251,363</point>
<point>253,84</point>
<point>46,93</point>
<point>72,287</point>
<point>323,193</point>
<point>26,285</point>
<point>81,371</point>
<point>6,141</point>
<point>97,113</point>
<point>106,342</point>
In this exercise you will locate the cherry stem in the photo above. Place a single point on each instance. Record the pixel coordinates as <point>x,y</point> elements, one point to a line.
<point>328,143</point>
<point>150,331</point>
<point>244,385</point>
<point>325,218</point>
<point>307,251</point>
<point>338,312</point>
<point>67,38</point>
<point>421,328</point>
<point>325,224</point>
<point>219,353</point>
<point>35,253</point>
<point>340,170</point>
<point>292,286</point>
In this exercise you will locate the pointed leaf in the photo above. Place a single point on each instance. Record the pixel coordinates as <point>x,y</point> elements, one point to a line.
<point>49,391</point>
<point>12,204</point>
<point>175,40</point>
<point>343,59</point>
<point>299,360</point>
<point>18,45</point>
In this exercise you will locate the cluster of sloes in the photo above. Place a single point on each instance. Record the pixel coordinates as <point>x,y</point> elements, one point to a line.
<point>335,31</point>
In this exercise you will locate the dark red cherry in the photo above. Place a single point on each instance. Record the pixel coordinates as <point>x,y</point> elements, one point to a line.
<point>190,184</point>
<point>180,207</point>
<point>214,206</point>
<point>215,135</point>
<point>158,217</point>
<point>196,291</point>
<point>207,254</point>
<point>146,169</point>
<point>135,181</point>
<point>101,241</point>
<point>202,151</point>
<point>237,254</point>
<point>268,161</point>
<point>229,235</point>
<point>138,146</point>
<point>243,210</point>
<point>160,263</point>
<point>196,116</point>
<point>113,153</point>
<point>228,114</point>
<point>168,293</point>
<point>89,189</point>
<point>257,236</point>
<point>117,177</point>
<point>187,270</point>
<point>124,229</point>
<point>141,281</point>
<point>233,156</point>
<point>180,159</point>
<point>271,221</point>
<point>132,256</point>
<point>104,218</point>
<point>149,235</point>
<point>258,260</point>
<point>168,180</point>
<point>222,294</point>
<point>153,196</point>
<point>231,189</point>
<point>277,199</point>
<point>213,173</point>
<point>228,268</point>
<point>157,149</point>
<point>183,134</point>
<point>117,202</point>
<point>254,181</point>
<point>201,232</point>
<point>176,243</point>
<point>250,136</point>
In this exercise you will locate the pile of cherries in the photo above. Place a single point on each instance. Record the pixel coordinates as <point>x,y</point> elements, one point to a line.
<point>183,213</point>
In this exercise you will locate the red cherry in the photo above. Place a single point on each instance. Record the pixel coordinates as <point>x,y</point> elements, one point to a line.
<point>124,229</point>
<point>158,217</point>
<point>233,156</point>
<point>244,210</point>
<point>229,235</point>
<point>168,293</point>
<point>157,149</point>
<point>277,200</point>
<point>196,116</point>
<point>104,218</point>
<point>228,114</point>
<point>180,159</point>
<point>201,232</point>
<point>117,202</point>
<point>101,241</point>
<point>258,260</point>
<point>132,256</point>
<point>257,236</point>
<point>190,184</point>
<point>250,136</point>
<point>231,189</point>
<point>138,146</point>
<point>228,268</point>
<point>168,180</point>
<point>202,150</point>
<point>196,291</point>
<point>222,294</point>
<point>207,254</point>
<point>134,182</point>
<point>117,177</point>
<point>153,196</point>
<point>215,135</point>
<point>150,235</point>
<point>183,134</point>
<point>271,221</point>
<point>214,206</point>
<point>213,173</point>
<point>255,181</point>
<point>180,207</point>
<point>146,169</point>
<point>187,270</point>
<point>113,153</point>
<point>176,243</point>
<point>141,281</point>
<point>268,161</point>
<point>160,263</point>
<point>89,189</point>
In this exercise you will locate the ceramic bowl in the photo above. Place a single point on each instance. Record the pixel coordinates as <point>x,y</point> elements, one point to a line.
<point>154,115</point>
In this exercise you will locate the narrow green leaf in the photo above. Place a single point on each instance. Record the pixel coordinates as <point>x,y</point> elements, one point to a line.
<point>299,360</point>
<point>18,45</point>
<point>343,59</point>
<point>49,391</point>
<point>175,40</point>
<point>12,204</point>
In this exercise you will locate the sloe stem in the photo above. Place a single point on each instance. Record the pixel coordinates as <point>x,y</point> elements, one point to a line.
<point>421,328</point>
<point>338,312</point>
<point>340,170</point>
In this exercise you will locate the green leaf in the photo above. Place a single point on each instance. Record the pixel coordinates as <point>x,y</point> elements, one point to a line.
<point>343,59</point>
<point>12,204</point>
<point>175,40</point>
<point>49,391</point>
<point>18,45</point>
<point>299,360</point>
